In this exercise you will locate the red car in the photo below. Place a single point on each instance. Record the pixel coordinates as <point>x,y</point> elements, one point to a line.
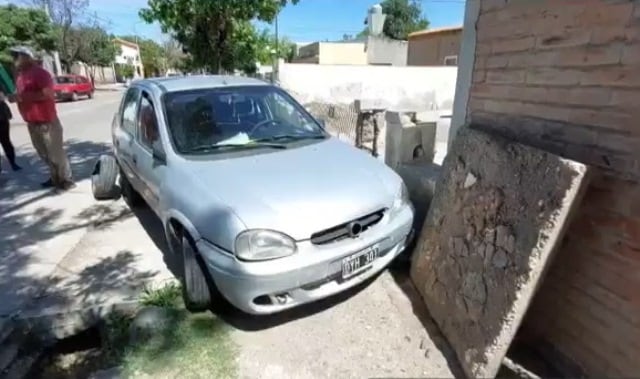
<point>71,87</point>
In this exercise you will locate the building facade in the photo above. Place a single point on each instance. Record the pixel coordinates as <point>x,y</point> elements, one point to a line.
<point>434,47</point>
<point>130,55</point>
<point>342,52</point>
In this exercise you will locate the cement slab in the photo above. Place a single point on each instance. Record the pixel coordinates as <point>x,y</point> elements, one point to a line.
<point>498,212</point>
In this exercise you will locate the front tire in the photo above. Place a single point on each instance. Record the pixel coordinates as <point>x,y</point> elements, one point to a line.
<point>195,288</point>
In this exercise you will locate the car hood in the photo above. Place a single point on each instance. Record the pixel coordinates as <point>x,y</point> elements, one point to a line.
<point>301,190</point>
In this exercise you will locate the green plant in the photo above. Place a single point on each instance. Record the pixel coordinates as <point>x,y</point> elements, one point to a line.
<point>124,71</point>
<point>165,296</point>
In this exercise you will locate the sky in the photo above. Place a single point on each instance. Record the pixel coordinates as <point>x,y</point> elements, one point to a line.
<point>308,21</point>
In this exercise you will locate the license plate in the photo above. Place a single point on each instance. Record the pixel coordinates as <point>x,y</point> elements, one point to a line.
<point>359,261</point>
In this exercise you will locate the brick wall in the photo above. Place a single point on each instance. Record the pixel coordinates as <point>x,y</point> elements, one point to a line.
<point>565,76</point>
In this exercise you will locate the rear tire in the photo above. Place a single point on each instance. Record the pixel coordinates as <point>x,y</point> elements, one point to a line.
<point>104,177</point>
<point>130,195</point>
<point>195,287</point>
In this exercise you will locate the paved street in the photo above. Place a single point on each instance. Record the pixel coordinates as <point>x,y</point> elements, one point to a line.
<point>68,251</point>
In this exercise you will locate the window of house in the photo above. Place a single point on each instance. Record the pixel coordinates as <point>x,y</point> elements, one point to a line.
<point>129,106</point>
<point>148,134</point>
<point>451,60</point>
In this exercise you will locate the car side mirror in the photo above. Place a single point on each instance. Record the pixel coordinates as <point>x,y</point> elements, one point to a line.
<point>158,154</point>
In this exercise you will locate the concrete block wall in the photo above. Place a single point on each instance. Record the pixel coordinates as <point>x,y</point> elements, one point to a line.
<point>565,76</point>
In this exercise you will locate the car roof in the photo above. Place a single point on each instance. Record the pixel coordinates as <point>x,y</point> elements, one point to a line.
<point>183,83</point>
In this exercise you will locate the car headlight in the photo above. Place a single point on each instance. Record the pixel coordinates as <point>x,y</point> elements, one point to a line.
<point>261,245</point>
<point>401,200</point>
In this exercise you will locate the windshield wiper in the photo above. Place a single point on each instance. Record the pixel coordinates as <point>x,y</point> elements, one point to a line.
<point>223,146</point>
<point>291,137</point>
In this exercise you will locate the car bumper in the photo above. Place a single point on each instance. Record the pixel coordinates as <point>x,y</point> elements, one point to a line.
<point>313,273</point>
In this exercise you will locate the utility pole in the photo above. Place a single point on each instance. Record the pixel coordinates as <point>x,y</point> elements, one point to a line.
<point>57,67</point>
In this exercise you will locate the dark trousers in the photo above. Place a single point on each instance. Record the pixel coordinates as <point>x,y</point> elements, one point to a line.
<point>5,141</point>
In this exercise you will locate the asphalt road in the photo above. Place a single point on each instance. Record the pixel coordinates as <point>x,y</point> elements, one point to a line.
<point>68,251</point>
<point>84,120</point>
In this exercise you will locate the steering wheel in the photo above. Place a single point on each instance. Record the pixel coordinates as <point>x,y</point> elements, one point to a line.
<point>261,124</point>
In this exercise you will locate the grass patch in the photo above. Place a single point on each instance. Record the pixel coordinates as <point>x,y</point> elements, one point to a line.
<point>168,295</point>
<point>186,345</point>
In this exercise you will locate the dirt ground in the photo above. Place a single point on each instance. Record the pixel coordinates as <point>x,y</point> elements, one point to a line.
<point>374,331</point>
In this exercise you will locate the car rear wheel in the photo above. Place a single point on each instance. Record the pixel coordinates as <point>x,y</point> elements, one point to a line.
<point>104,178</point>
<point>130,195</point>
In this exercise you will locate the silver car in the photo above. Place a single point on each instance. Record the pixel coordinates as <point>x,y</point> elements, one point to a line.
<point>266,210</point>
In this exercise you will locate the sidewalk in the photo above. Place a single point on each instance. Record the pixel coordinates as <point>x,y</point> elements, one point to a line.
<point>66,251</point>
<point>110,87</point>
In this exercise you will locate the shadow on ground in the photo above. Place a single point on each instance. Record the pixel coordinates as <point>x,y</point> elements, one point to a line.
<point>31,217</point>
<point>400,273</point>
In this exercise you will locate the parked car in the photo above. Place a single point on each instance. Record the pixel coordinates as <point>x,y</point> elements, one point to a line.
<point>71,87</point>
<point>266,210</point>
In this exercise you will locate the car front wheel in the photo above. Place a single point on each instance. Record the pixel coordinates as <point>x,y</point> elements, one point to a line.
<point>195,288</point>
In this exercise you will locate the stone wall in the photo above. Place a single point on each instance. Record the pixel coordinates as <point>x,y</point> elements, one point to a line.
<point>498,211</point>
<point>564,76</point>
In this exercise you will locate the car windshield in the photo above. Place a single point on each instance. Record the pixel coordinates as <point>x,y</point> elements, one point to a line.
<point>64,80</point>
<point>237,117</point>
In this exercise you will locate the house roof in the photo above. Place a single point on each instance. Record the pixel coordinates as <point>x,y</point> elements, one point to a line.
<point>430,32</point>
<point>126,43</point>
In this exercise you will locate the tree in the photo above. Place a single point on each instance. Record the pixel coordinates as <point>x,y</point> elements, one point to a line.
<point>96,48</point>
<point>266,53</point>
<point>24,26</point>
<point>217,34</point>
<point>64,15</point>
<point>403,17</point>
<point>151,54</point>
<point>175,57</point>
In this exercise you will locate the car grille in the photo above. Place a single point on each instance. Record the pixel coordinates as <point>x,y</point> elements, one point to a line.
<point>341,231</point>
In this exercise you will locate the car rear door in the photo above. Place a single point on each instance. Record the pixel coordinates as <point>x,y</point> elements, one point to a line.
<point>124,133</point>
<point>150,168</point>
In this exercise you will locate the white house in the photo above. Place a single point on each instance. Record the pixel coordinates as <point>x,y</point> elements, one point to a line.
<point>130,54</point>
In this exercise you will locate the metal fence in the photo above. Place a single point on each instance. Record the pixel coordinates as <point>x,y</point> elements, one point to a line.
<point>340,119</point>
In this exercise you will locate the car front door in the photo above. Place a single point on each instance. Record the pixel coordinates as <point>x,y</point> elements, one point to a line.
<point>124,134</point>
<point>84,84</point>
<point>149,152</point>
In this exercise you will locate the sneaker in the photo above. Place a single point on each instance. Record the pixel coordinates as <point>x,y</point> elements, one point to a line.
<point>47,184</point>
<point>15,167</point>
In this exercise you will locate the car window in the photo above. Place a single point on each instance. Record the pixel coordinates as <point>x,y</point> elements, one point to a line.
<point>63,80</point>
<point>283,109</point>
<point>129,106</point>
<point>234,115</point>
<point>148,134</point>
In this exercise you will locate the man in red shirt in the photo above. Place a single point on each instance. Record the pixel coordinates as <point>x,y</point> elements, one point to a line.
<point>36,102</point>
